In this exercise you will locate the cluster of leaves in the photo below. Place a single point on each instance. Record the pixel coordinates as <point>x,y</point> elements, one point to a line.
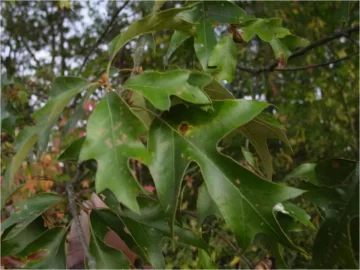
<point>169,120</point>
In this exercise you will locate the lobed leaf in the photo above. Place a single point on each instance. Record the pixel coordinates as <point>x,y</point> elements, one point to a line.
<point>154,22</point>
<point>28,210</point>
<point>258,131</point>
<point>47,251</point>
<point>305,171</point>
<point>105,256</point>
<point>113,133</point>
<point>72,152</point>
<point>245,200</point>
<point>177,39</point>
<point>225,70</point>
<point>157,87</point>
<point>204,42</point>
<point>17,243</point>
<point>205,205</point>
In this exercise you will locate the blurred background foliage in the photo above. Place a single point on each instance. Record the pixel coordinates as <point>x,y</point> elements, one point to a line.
<point>318,106</point>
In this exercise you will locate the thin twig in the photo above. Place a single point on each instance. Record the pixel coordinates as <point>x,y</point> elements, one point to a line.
<point>353,41</point>
<point>29,51</point>
<point>317,65</point>
<point>272,66</point>
<point>70,189</point>
<point>112,20</point>
<point>237,250</point>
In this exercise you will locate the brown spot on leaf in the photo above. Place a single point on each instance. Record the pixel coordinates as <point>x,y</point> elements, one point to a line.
<point>11,262</point>
<point>184,128</point>
<point>336,164</point>
<point>101,131</point>
<point>124,137</point>
<point>108,143</point>
<point>118,142</point>
<point>117,125</point>
<point>40,254</point>
<point>237,181</point>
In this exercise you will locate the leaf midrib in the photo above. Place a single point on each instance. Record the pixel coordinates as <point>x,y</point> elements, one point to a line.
<point>210,161</point>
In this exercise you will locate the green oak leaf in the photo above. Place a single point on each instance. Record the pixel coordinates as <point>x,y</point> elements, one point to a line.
<point>157,87</point>
<point>244,199</point>
<point>281,52</point>
<point>217,12</point>
<point>205,261</point>
<point>63,90</point>
<point>22,239</point>
<point>266,29</point>
<point>79,112</point>
<point>258,131</point>
<point>153,216</point>
<point>270,30</point>
<point>216,91</point>
<point>154,22</point>
<point>204,42</point>
<point>284,47</point>
<point>205,14</point>
<point>143,233</point>
<point>177,39</point>
<point>293,42</point>
<point>339,199</point>
<point>105,256</point>
<point>225,70</point>
<point>149,240</point>
<point>72,152</point>
<point>112,138</point>
<point>225,12</point>
<point>28,210</point>
<point>205,205</point>
<point>306,172</point>
<point>295,212</point>
<point>23,148</point>
<point>115,222</point>
<point>47,251</point>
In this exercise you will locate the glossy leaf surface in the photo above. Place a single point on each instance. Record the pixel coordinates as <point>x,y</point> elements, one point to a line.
<point>225,70</point>
<point>295,212</point>
<point>73,151</point>
<point>157,87</point>
<point>22,239</point>
<point>245,201</point>
<point>28,210</point>
<point>113,133</point>
<point>205,205</point>
<point>47,251</point>
<point>258,131</point>
<point>306,172</point>
<point>177,39</point>
<point>157,21</point>
<point>105,256</point>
